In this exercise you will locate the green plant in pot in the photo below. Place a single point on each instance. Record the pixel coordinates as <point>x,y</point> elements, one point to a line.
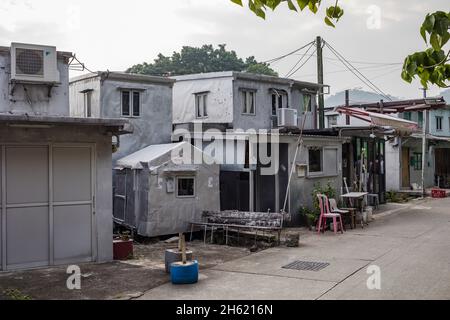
<point>125,236</point>
<point>310,216</point>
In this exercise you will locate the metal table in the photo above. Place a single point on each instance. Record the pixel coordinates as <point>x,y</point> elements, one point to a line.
<point>357,196</point>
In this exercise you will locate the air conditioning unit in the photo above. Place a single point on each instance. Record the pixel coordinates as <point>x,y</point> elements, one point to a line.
<point>287,117</point>
<point>34,63</point>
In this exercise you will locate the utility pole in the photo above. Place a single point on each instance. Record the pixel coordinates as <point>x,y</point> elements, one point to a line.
<point>424,144</point>
<point>347,104</point>
<point>320,81</point>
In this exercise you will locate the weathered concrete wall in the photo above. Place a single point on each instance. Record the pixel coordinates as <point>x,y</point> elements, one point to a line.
<point>154,126</point>
<point>393,167</point>
<point>445,114</point>
<point>219,100</point>
<point>33,99</point>
<point>158,212</point>
<point>262,119</point>
<point>102,141</point>
<point>77,104</point>
<point>301,187</point>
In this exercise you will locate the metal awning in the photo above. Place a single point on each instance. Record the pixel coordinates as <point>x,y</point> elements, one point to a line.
<point>379,119</point>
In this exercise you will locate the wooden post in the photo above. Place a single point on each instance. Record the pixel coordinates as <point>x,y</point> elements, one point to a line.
<point>183,248</point>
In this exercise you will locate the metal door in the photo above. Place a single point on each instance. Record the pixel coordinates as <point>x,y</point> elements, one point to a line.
<point>46,205</point>
<point>72,204</point>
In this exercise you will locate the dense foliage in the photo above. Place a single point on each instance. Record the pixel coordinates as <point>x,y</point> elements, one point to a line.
<point>201,60</point>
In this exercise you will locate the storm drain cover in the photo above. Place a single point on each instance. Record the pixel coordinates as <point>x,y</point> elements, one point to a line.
<point>306,265</point>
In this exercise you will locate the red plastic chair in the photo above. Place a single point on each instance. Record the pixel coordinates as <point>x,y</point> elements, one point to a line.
<point>326,213</point>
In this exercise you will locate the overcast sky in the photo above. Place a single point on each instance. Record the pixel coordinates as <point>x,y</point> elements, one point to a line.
<point>115,34</point>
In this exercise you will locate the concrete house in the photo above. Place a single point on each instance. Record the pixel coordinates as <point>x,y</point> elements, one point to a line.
<point>236,117</point>
<point>145,101</point>
<point>160,189</point>
<point>437,169</point>
<point>55,170</point>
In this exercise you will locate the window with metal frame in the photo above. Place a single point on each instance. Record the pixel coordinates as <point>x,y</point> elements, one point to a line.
<point>420,119</point>
<point>248,101</point>
<point>185,187</point>
<point>417,161</point>
<point>307,103</point>
<point>88,104</point>
<point>131,103</point>
<point>279,100</point>
<point>315,160</point>
<point>201,107</point>
<point>438,123</point>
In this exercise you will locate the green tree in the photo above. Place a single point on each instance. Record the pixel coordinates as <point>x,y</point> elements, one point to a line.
<point>259,7</point>
<point>430,66</point>
<point>201,60</point>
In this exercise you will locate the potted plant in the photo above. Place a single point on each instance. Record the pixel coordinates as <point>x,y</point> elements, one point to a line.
<point>123,246</point>
<point>310,217</point>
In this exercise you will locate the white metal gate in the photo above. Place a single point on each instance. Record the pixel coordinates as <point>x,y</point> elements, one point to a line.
<point>47,203</point>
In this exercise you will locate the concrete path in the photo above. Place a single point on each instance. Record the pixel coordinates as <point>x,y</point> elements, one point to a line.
<point>411,247</point>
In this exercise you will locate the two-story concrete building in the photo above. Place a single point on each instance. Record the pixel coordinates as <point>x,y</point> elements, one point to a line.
<point>250,124</point>
<point>55,170</point>
<point>437,164</point>
<point>145,101</point>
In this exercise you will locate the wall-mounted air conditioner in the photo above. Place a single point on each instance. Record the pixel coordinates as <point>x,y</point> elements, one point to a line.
<point>34,63</point>
<point>287,117</point>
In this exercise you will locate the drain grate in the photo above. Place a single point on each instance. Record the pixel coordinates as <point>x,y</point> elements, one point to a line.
<point>306,265</point>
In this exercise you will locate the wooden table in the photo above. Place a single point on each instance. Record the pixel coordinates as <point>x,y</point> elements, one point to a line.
<point>358,196</point>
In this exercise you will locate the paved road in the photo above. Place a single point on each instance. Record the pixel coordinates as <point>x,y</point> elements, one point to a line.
<point>411,247</point>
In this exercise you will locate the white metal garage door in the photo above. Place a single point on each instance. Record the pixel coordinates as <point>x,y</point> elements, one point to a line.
<point>46,205</point>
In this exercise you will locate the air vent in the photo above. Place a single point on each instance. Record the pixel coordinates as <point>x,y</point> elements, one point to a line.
<point>29,62</point>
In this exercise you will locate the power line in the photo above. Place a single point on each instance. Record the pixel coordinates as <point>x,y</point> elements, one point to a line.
<point>301,58</point>
<point>306,61</point>
<point>288,54</point>
<point>364,62</point>
<point>361,68</point>
<point>356,72</point>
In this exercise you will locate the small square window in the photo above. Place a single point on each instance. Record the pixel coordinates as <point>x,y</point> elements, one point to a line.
<point>186,187</point>
<point>332,121</point>
<point>201,110</point>
<point>315,160</point>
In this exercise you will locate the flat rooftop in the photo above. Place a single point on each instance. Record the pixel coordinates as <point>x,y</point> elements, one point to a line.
<point>124,76</point>
<point>248,76</point>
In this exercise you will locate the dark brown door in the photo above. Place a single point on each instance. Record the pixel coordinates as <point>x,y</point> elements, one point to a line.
<point>405,168</point>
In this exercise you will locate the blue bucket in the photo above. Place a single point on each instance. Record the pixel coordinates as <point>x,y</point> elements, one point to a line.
<point>184,273</point>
